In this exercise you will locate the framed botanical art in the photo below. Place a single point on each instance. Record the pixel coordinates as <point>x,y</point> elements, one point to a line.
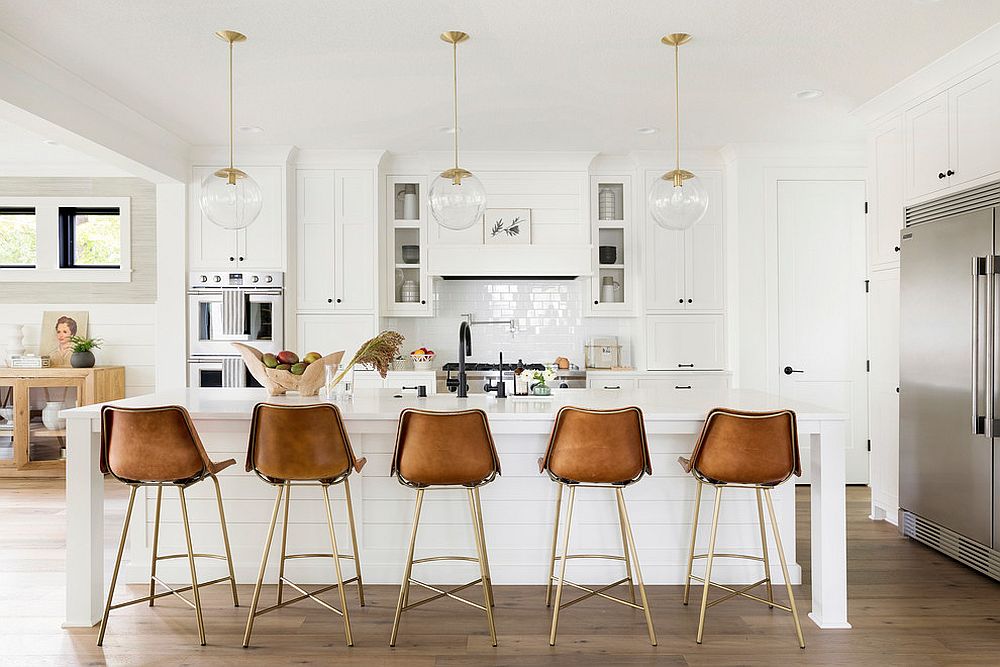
<point>507,226</point>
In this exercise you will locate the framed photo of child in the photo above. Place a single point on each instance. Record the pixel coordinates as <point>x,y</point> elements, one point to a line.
<point>58,329</point>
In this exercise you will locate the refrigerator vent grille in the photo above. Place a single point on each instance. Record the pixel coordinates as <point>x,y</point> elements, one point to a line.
<point>985,196</point>
<point>965,551</point>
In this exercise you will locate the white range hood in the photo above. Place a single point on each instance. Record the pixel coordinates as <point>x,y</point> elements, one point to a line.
<point>525,261</point>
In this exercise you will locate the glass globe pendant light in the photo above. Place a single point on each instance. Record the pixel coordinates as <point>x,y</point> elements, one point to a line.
<point>677,199</point>
<point>230,197</point>
<point>457,199</point>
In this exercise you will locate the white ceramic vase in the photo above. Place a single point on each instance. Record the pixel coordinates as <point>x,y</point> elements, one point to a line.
<point>50,415</point>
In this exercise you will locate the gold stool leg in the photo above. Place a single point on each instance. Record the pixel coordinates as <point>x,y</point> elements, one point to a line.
<point>555,541</point>
<point>694,536</point>
<point>708,564</point>
<point>336,564</point>
<point>194,573</point>
<point>562,567</point>
<point>635,560</point>
<point>784,568</point>
<point>156,543</point>
<point>625,550</point>
<point>225,541</point>
<point>354,542</point>
<point>483,572</point>
<point>118,562</point>
<point>482,536</point>
<point>263,566</point>
<point>284,541</point>
<point>763,546</point>
<point>404,588</point>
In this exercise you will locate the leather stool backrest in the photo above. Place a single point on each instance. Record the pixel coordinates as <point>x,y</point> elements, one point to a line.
<point>444,449</point>
<point>157,444</point>
<point>299,442</point>
<point>737,447</point>
<point>598,446</point>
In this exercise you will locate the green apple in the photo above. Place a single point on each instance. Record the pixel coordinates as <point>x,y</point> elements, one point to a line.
<point>270,360</point>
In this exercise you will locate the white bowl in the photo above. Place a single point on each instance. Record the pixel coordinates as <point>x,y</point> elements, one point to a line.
<point>422,362</point>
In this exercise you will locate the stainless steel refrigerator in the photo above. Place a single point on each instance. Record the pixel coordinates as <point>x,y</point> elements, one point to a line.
<point>949,410</point>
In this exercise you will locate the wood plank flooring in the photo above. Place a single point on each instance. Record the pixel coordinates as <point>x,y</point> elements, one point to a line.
<point>909,606</point>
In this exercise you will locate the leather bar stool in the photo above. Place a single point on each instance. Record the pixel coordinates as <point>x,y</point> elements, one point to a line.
<point>446,450</point>
<point>158,447</point>
<point>596,449</point>
<point>303,445</point>
<point>744,450</point>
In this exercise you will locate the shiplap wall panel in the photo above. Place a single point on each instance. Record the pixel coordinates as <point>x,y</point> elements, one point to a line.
<point>127,330</point>
<point>141,288</point>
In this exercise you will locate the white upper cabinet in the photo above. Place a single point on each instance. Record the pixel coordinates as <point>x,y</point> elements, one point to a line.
<point>926,127</point>
<point>885,210</point>
<point>406,282</point>
<point>685,342</point>
<point>336,240</point>
<point>952,140</point>
<point>684,270</point>
<point>612,285</point>
<point>262,245</point>
<point>975,127</point>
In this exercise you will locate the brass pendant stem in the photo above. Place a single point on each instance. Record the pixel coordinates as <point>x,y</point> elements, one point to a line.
<point>454,74</point>
<point>231,136</point>
<point>677,103</point>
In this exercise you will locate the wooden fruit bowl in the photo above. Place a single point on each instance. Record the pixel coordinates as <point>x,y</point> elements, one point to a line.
<point>278,382</point>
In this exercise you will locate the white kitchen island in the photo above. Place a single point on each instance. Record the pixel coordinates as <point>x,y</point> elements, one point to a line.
<point>518,506</point>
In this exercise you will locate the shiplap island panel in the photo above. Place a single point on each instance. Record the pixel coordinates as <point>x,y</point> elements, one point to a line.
<point>518,506</point>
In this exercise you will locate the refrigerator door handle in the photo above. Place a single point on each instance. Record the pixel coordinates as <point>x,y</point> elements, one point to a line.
<point>991,267</point>
<point>978,271</point>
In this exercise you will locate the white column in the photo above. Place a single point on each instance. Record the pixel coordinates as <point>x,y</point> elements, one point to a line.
<point>84,525</point>
<point>829,526</point>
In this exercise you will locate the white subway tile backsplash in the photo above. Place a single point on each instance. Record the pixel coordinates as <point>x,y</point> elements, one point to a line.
<point>549,315</point>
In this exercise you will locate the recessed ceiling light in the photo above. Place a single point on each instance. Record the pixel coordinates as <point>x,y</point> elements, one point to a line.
<point>251,129</point>
<point>808,94</point>
<point>647,130</point>
<point>50,142</point>
<point>448,129</point>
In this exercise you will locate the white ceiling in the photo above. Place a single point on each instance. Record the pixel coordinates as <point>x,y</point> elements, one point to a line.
<point>24,153</point>
<point>559,74</point>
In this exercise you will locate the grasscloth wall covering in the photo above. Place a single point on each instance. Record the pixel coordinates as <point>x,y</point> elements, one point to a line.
<point>141,289</point>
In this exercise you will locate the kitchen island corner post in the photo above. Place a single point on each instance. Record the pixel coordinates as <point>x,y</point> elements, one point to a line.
<point>84,524</point>
<point>828,518</point>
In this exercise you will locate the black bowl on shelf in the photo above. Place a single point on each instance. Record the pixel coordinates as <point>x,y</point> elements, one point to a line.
<point>607,254</point>
<point>410,254</point>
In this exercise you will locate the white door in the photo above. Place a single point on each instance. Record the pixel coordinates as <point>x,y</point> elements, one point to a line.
<point>263,242</point>
<point>684,342</point>
<point>329,333</point>
<point>885,215</point>
<point>210,246</point>
<point>975,115</point>
<point>821,306</point>
<point>703,261</point>
<point>315,206</point>
<point>926,164</point>
<point>355,257</point>
<point>883,385</point>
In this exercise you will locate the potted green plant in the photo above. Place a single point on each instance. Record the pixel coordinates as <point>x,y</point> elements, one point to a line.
<point>82,356</point>
<point>541,379</point>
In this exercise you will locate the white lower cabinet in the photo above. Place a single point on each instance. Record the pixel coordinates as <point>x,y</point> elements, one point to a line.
<point>685,382</point>
<point>685,342</point>
<point>883,397</point>
<point>330,333</point>
<point>611,382</point>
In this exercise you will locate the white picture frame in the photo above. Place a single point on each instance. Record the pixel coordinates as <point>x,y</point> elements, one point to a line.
<point>507,226</point>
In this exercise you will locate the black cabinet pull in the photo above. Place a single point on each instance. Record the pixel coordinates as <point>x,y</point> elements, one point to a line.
<point>941,174</point>
<point>788,370</point>
<point>329,300</point>
<point>614,387</point>
<point>682,386</point>
<point>950,172</point>
<point>338,300</point>
<point>685,365</point>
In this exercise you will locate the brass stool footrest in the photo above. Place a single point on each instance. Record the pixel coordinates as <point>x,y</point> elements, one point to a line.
<point>345,556</point>
<point>169,591</point>
<point>169,556</point>
<point>598,592</point>
<point>306,594</point>
<point>441,594</point>
<point>742,592</point>
<point>759,559</point>
<point>599,556</point>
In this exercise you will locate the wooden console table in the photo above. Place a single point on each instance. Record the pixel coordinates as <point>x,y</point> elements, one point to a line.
<point>27,447</point>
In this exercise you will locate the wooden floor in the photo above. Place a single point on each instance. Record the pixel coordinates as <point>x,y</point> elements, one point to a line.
<point>909,606</point>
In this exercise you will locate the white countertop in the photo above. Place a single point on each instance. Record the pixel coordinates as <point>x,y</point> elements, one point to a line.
<point>386,404</point>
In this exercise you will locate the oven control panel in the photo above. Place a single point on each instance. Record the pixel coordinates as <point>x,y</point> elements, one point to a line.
<point>251,279</point>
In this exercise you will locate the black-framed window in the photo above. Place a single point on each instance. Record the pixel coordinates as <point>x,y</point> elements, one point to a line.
<point>90,238</point>
<point>18,238</point>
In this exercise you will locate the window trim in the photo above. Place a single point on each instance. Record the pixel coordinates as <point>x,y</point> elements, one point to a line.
<point>67,235</point>
<point>19,210</point>
<point>47,268</point>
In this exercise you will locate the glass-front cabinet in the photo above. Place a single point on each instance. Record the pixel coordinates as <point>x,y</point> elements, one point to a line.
<point>32,435</point>
<point>407,285</point>
<point>612,285</point>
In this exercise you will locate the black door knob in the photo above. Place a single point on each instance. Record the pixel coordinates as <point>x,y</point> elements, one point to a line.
<point>789,370</point>
<point>941,174</point>
<point>950,172</point>
<point>895,248</point>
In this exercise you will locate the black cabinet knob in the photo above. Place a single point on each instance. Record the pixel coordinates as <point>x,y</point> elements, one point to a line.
<point>241,259</point>
<point>941,174</point>
<point>690,301</point>
<point>338,300</point>
<point>680,300</point>
<point>950,172</point>
<point>232,259</point>
<point>788,370</point>
<point>596,302</point>
<point>329,300</point>
<point>422,302</point>
<point>895,248</point>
